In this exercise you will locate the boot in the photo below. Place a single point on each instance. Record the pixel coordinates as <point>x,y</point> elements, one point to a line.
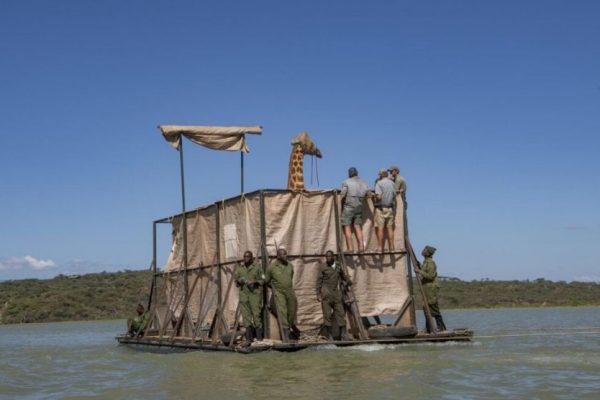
<point>259,334</point>
<point>296,330</point>
<point>344,334</point>
<point>295,333</point>
<point>428,327</point>
<point>249,335</point>
<point>440,323</point>
<point>327,332</point>
<point>286,335</point>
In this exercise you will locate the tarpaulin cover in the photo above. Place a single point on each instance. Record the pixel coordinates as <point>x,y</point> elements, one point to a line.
<point>305,224</point>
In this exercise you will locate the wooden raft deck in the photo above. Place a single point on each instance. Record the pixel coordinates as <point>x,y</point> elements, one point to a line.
<point>158,344</point>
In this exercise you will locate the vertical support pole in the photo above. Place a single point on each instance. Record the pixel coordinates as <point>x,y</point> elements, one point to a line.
<point>219,272</point>
<point>362,332</point>
<point>409,276</point>
<point>409,266</point>
<point>426,309</point>
<point>183,221</point>
<point>184,229</point>
<point>153,287</point>
<point>242,172</point>
<point>263,254</point>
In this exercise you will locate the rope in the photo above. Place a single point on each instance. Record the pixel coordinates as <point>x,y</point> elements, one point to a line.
<point>314,169</point>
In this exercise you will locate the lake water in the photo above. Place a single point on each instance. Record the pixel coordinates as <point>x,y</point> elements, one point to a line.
<point>81,359</point>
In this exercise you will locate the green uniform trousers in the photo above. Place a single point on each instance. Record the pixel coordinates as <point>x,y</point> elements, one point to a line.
<point>333,307</point>
<point>285,302</point>
<point>251,308</point>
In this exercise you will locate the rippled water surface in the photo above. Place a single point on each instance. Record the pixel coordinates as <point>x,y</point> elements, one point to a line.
<point>82,359</point>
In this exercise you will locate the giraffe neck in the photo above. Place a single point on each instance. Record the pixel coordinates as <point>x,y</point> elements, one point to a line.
<point>296,169</point>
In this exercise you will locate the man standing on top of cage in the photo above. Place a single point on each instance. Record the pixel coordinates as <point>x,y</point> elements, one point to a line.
<point>354,191</point>
<point>280,276</point>
<point>385,198</point>
<point>250,279</point>
<point>399,182</point>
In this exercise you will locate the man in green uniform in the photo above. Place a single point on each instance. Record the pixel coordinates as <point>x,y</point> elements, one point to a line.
<point>279,276</point>
<point>249,278</point>
<point>136,326</point>
<point>429,280</point>
<point>329,293</point>
<point>399,182</point>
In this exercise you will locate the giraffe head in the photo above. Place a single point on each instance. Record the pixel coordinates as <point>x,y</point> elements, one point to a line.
<point>306,144</point>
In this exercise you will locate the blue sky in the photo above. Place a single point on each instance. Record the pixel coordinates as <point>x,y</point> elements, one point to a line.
<point>491,109</point>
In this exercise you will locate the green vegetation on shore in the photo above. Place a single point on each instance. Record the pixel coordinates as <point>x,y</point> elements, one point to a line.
<point>455,293</point>
<point>114,295</point>
<point>71,298</point>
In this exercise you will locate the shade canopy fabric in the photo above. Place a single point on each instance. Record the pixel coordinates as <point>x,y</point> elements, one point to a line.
<point>230,138</point>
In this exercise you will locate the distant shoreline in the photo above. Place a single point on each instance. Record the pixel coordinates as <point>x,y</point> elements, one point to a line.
<point>113,295</point>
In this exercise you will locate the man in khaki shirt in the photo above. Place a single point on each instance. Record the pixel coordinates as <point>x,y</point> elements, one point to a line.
<point>385,199</point>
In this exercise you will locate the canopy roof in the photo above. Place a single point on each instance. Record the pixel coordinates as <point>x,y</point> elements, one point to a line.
<point>230,138</point>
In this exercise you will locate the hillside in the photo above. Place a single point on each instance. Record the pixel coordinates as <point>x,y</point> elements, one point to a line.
<point>114,295</point>
<point>85,297</point>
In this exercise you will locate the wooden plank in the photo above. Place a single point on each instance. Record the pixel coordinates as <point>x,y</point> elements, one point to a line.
<point>416,262</point>
<point>185,313</point>
<point>235,325</point>
<point>155,311</point>
<point>219,313</point>
<point>349,291</point>
<point>201,316</point>
<point>407,302</point>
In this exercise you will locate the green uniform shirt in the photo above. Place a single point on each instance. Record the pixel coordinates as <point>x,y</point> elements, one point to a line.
<point>400,184</point>
<point>245,274</point>
<point>280,276</point>
<point>140,322</point>
<point>429,280</point>
<point>329,279</point>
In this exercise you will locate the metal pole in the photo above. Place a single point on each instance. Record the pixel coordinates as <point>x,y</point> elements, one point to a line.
<point>353,307</point>
<point>219,272</point>
<point>153,289</point>
<point>264,261</point>
<point>184,221</point>
<point>242,170</point>
<point>409,266</point>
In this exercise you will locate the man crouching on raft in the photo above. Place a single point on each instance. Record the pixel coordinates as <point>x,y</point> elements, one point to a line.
<point>136,326</point>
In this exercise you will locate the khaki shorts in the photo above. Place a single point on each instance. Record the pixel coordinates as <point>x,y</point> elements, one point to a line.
<point>384,216</point>
<point>351,216</point>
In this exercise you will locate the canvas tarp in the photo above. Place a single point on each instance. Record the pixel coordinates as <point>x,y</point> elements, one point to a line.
<point>230,138</point>
<point>305,224</point>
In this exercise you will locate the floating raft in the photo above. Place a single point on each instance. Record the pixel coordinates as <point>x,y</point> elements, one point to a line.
<point>193,303</point>
<point>158,344</point>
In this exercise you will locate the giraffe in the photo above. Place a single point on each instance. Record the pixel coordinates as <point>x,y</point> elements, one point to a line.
<point>301,145</point>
